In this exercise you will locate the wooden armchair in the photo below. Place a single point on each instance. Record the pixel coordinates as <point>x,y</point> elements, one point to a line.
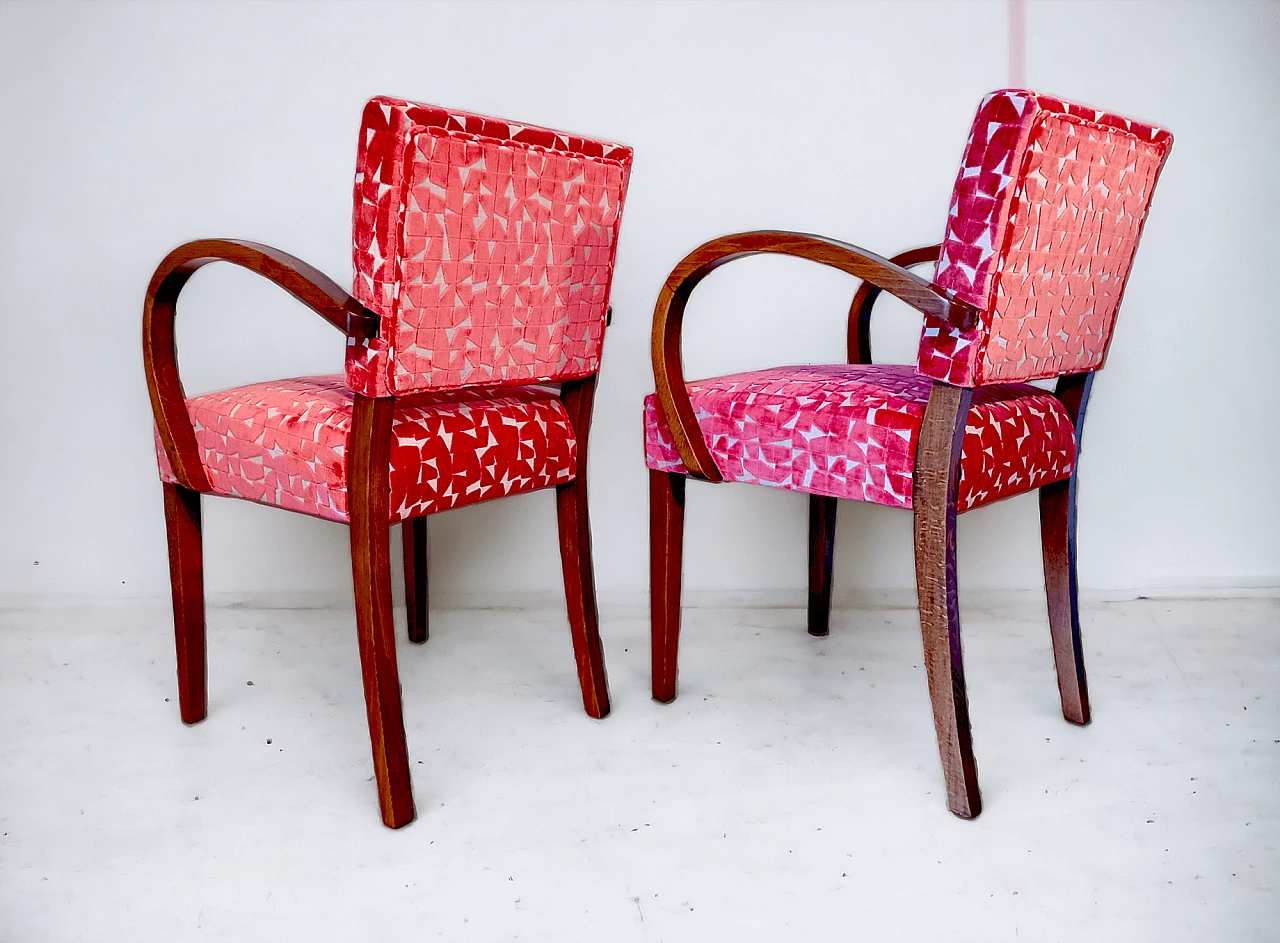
<point>483,254</point>
<point>1045,218</point>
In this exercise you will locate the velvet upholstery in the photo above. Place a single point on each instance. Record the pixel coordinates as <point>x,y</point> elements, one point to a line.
<point>487,248</point>
<point>1045,218</point>
<point>850,431</point>
<point>285,443</point>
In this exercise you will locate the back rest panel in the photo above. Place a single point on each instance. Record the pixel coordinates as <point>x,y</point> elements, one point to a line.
<point>1045,219</point>
<point>486,247</point>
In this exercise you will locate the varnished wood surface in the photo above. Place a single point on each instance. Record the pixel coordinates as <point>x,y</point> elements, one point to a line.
<point>574,524</point>
<point>666,561</point>
<point>413,539</point>
<point>159,353</point>
<point>672,396</point>
<point>935,488</point>
<point>822,545</point>
<point>1058,540</point>
<point>368,497</point>
<point>186,580</point>
<point>865,298</point>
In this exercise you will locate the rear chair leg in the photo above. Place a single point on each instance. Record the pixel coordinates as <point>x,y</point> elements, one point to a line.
<point>822,543</point>
<point>186,578</point>
<point>936,484</point>
<point>666,553</point>
<point>369,446</point>
<point>575,557</point>
<point>413,535</point>
<point>1058,539</point>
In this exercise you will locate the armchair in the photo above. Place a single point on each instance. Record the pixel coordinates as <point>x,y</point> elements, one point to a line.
<point>483,254</point>
<point>1045,218</point>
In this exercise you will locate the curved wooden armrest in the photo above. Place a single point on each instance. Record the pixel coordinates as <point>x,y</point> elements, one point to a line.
<point>668,372</point>
<point>865,298</point>
<point>168,401</point>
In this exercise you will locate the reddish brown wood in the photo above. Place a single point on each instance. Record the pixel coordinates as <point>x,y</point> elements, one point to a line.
<point>865,298</point>
<point>413,536</point>
<point>186,579</point>
<point>368,498</point>
<point>673,397</point>
<point>822,545</point>
<point>666,561</point>
<point>574,522</point>
<point>1058,540</point>
<point>935,486</point>
<point>159,353</point>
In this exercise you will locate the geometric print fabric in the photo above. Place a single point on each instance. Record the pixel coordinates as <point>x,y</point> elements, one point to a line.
<point>284,443</point>
<point>486,247</point>
<point>1045,218</point>
<point>850,431</point>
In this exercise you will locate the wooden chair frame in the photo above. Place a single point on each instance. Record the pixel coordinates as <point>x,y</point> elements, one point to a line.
<point>937,476</point>
<point>369,446</point>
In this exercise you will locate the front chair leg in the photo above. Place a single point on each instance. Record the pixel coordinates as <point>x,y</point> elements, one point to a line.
<point>186,578</point>
<point>369,446</point>
<point>936,484</point>
<point>575,557</point>
<point>413,535</point>
<point>666,558</point>
<point>822,544</point>
<point>1058,540</point>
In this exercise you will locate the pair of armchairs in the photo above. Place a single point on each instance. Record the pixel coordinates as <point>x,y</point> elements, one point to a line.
<point>484,253</point>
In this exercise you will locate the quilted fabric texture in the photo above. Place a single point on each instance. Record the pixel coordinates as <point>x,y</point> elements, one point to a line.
<point>486,247</point>
<point>850,431</point>
<point>1045,218</point>
<point>284,443</point>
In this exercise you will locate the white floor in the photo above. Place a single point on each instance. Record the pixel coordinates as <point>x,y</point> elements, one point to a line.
<point>792,791</point>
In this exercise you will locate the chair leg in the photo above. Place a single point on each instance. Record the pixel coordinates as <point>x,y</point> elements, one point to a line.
<point>666,559</point>
<point>822,544</point>
<point>937,474</point>
<point>186,578</point>
<point>1058,539</point>
<point>369,450</point>
<point>413,534</point>
<point>575,557</point>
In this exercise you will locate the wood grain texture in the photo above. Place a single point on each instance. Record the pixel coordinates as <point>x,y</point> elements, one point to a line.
<point>574,523</point>
<point>666,562</point>
<point>159,352</point>
<point>186,580</point>
<point>937,477</point>
<point>1058,541</point>
<point>859,344</point>
<point>668,370</point>
<point>368,498</point>
<point>822,545</point>
<point>413,538</point>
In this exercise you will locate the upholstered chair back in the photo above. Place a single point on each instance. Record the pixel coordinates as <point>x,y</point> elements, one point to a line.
<point>1045,218</point>
<point>485,247</point>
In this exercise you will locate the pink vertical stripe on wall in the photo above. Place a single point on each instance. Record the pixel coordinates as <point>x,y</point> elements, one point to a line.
<point>1017,43</point>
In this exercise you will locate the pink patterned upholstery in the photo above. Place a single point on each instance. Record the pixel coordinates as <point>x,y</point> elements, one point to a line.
<point>486,247</point>
<point>284,443</point>
<point>850,431</point>
<point>1045,218</point>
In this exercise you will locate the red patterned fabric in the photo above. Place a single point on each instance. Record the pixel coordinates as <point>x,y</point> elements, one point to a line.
<point>1045,218</point>
<point>850,431</point>
<point>284,443</point>
<point>487,248</point>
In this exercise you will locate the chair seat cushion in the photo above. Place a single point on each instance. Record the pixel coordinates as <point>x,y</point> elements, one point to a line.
<point>850,431</point>
<point>285,443</point>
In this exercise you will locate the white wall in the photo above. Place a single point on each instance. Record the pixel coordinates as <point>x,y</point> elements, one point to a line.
<point>130,128</point>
